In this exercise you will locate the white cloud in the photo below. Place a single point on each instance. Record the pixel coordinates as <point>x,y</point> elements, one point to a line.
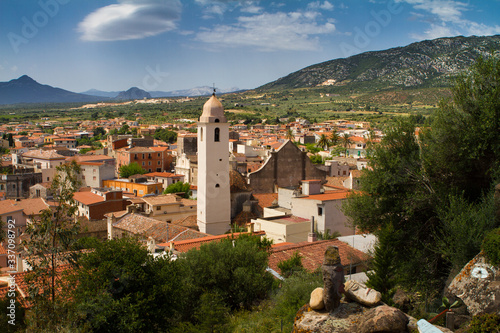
<point>318,5</point>
<point>14,68</point>
<point>269,32</point>
<point>130,19</point>
<point>251,9</point>
<point>446,19</point>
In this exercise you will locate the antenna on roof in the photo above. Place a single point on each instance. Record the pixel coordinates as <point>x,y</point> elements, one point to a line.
<point>214,89</point>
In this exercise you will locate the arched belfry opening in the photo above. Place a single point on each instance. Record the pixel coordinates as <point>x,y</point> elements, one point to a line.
<point>217,134</point>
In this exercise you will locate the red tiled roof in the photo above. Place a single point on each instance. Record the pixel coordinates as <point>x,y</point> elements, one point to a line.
<point>265,199</point>
<point>162,174</point>
<point>87,198</point>
<point>312,254</point>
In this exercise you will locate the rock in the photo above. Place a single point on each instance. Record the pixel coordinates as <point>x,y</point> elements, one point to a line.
<point>333,278</point>
<point>401,300</point>
<point>478,286</point>
<point>358,292</point>
<point>342,320</point>
<point>383,319</point>
<point>316,301</point>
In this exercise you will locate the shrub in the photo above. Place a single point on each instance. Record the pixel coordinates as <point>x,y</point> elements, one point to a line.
<point>485,323</point>
<point>289,266</point>
<point>491,246</point>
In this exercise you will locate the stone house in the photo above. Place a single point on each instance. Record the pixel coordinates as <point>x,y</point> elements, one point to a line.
<point>99,201</point>
<point>169,207</point>
<point>284,167</point>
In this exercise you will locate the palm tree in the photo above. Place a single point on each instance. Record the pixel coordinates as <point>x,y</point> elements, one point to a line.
<point>346,142</point>
<point>289,134</point>
<point>334,138</point>
<point>323,142</point>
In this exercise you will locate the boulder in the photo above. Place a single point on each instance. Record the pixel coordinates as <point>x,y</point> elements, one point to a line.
<point>478,286</point>
<point>383,318</point>
<point>316,301</point>
<point>401,300</point>
<point>358,292</point>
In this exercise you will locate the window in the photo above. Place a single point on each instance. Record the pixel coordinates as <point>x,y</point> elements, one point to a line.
<point>143,163</point>
<point>158,208</point>
<point>320,211</point>
<point>217,185</point>
<point>158,162</point>
<point>201,134</point>
<point>94,178</point>
<point>149,163</point>
<point>217,134</point>
<point>216,120</point>
<point>158,154</point>
<point>149,156</point>
<point>143,156</point>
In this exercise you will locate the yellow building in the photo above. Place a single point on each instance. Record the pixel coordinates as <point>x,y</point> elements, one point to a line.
<point>138,189</point>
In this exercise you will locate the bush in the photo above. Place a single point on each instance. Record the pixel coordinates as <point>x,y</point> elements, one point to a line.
<point>278,313</point>
<point>289,266</point>
<point>491,246</point>
<point>485,323</point>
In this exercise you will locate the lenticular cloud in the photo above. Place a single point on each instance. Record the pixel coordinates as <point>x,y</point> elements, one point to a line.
<point>130,19</point>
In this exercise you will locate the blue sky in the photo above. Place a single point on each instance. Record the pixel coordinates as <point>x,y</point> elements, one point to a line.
<point>171,44</point>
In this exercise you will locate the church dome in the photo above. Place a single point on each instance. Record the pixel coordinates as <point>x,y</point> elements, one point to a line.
<point>213,112</point>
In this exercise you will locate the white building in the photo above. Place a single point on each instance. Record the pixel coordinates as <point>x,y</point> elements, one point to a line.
<point>214,202</point>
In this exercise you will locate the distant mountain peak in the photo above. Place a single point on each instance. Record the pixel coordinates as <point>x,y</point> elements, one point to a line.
<point>25,79</point>
<point>133,93</point>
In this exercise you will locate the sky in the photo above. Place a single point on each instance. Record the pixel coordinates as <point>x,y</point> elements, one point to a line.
<point>165,45</point>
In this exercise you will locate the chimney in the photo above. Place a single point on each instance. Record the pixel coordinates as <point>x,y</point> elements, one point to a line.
<point>310,187</point>
<point>311,237</point>
<point>131,209</point>
<point>151,244</point>
<point>111,221</point>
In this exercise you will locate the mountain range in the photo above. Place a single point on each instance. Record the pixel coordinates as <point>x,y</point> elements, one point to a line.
<point>26,90</point>
<point>429,63</point>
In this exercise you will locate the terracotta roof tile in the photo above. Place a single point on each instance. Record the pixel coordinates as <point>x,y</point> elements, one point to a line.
<point>87,198</point>
<point>160,231</point>
<point>312,254</point>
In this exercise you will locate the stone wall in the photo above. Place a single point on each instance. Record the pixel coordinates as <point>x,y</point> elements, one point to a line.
<point>286,167</point>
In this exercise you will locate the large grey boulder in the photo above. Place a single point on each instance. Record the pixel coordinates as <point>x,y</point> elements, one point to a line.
<point>478,286</point>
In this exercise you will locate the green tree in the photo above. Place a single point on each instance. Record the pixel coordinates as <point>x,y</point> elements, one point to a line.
<point>48,248</point>
<point>323,142</point>
<point>165,135</point>
<point>434,189</point>
<point>346,141</point>
<point>131,169</point>
<point>316,159</point>
<point>383,274</point>
<point>179,187</point>
<point>463,147</point>
<point>99,131</point>
<point>334,138</point>
<point>289,134</point>
<point>122,288</point>
<point>233,269</point>
<point>291,265</point>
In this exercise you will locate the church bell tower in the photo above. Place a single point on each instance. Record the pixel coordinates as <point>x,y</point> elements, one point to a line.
<point>214,201</point>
